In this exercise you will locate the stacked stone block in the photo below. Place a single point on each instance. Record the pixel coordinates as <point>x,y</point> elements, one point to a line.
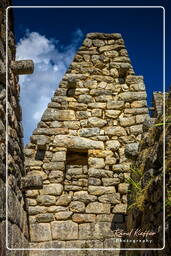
<point>77,171</point>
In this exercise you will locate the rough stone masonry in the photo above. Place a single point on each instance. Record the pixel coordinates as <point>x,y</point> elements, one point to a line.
<point>76,184</point>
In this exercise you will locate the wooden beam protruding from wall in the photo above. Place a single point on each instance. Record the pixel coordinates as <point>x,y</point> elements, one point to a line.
<point>22,67</point>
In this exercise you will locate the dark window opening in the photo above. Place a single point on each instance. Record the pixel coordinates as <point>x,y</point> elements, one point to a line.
<point>40,154</point>
<point>77,158</point>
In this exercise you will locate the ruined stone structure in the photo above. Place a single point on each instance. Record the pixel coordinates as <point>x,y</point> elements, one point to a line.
<point>148,211</point>
<point>17,216</point>
<point>77,172</point>
<point>73,190</point>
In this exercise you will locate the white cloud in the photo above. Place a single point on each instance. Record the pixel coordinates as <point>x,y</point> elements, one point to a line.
<point>51,60</point>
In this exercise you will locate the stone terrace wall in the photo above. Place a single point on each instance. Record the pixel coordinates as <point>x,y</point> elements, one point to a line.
<point>18,231</point>
<point>150,162</point>
<point>75,161</point>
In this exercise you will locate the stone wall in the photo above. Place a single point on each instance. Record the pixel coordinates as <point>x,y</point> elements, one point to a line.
<point>77,172</point>
<point>148,211</point>
<point>17,217</point>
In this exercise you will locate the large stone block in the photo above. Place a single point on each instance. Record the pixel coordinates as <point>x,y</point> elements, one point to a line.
<point>96,162</point>
<point>132,96</point>
<point>97,207</point>
<point>97,122</point>
<point>59,156</point>
<point>64,230</point>
<point>113,198</point>
<point>76,206</point>
<point>32,182</point>
<point>75,142</point>
<point>112,144</point>
<point>123,188</point>
<point>89,132</point>
<point>46,200</point>
<point>120,208</point>
<point>115,104</point>
<point>115,131</point>
<point>100,190</point>
<point>100,173</point>
<point>127,121</point>
<point>84,197</point>
<point>40,232</point>
<point>52,189</point>
<point>52,114</point>
<point>54,165</point>
<point>81,218</point>
<point>112,113</point>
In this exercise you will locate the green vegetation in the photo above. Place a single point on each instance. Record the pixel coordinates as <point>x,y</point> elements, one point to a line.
<point>139,193</point>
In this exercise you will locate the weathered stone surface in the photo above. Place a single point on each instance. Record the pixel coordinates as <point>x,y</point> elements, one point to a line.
<point>129,96</point>
<point>131,150</point>
<point>85,98</point>
<point>52,189</point>
<point>84,197</point>
<point>106,48</point>
<point>36,210</point>
<point>94,181</point>
<point>46,200</point>
<point>123,188</point>
<point>32,182</point>
<point>63,215</point>
<point>113,198</point>
<point>95,231</point>
<point>127,121</point>
<point>54,165</point>
<point>76,206</point>
<point>45,217</point>
<point>116,131</point>
<point>77,142</point>
<point>124,167</point>
<point>64,230</point>
<point>40,232</point>
<point>136,129</point>
<point>96,207</point>
<point>115,104</point>
<point>51,114</point>
<point>81,218</point>
<point>112,144</point>
<point>99,173</point>
<point>120,208</point>
<point>135,111</point>
<point>97,122</point>
<point>110,181</point>
<point>100,153</point>
<point>59,156</point>
<point>100,190</point>
<point>139,104</point>
<point>112,113</point>
<point>87,42</point>
<point>72,124</point>
<point>64,200</point>
<point>96,162</point>
<point>104,36</point>
<point>56,176</point>
<point>89,132</point>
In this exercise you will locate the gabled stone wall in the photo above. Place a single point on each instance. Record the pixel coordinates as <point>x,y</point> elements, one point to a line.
<point>17,216</point>
<point>76,167</point>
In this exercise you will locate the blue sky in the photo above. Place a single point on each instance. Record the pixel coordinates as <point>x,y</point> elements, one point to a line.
<point>51,37</point>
